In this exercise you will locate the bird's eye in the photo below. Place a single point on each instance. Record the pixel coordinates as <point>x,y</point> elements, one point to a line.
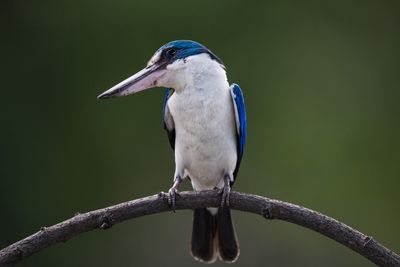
<point>170,52</point>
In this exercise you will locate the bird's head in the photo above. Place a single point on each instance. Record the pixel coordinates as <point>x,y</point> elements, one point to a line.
<point>167,68</point>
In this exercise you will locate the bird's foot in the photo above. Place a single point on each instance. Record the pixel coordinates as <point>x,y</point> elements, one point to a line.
<point>226,191</point>
<point>173,192</point>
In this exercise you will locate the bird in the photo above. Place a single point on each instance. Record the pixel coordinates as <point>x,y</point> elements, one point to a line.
<point>205,120</point>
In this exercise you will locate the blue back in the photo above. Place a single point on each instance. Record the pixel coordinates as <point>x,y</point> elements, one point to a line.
<point>241,112</point>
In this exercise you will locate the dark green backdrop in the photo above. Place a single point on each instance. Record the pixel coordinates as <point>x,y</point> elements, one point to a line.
<point>321,83</point>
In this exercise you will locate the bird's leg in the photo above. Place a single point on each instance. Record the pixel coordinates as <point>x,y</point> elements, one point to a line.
<point>173,191</point>
<point>226,191</point>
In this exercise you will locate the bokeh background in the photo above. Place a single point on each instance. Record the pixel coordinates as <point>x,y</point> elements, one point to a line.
<point>321,83</point>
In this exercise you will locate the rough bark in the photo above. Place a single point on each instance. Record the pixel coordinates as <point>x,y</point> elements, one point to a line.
<point>268,208</point>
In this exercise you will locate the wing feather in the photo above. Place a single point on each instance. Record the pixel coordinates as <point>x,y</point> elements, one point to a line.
<point>240,118</point>
<point>168,121</point>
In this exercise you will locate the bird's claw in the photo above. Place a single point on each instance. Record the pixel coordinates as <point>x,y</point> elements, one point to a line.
<point>172,193</point>
<point>226,192</point>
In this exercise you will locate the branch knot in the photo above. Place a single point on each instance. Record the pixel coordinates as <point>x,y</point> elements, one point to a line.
<point>105,222</point>
<point>20,253</point>
<point>267,212</point>
<point>368,240</point>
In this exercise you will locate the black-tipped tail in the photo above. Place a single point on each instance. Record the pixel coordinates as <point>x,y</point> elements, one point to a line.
<point>213,236</point>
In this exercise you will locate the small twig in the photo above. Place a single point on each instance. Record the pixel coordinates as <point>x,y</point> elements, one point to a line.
<point>268,208</point>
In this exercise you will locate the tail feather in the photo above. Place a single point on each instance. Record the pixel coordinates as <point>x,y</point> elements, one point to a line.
<point>203,233</point>
<point>213,236</point>
<point>228,246</point>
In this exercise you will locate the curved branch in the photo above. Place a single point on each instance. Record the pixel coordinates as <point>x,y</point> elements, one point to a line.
<point>268,208</point>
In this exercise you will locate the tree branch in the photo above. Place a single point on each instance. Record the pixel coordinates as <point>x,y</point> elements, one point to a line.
<point>268,208</point>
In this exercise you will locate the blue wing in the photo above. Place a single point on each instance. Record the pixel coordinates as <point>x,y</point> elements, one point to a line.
<point>240,116</point>
<point>168,121</point>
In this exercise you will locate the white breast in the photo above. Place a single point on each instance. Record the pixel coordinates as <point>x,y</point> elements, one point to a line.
<point>205,144</point>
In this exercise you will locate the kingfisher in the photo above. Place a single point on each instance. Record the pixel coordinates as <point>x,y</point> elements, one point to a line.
<point>205,120</point>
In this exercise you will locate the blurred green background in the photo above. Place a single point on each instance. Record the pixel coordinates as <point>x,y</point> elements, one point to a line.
<point>321,83</point>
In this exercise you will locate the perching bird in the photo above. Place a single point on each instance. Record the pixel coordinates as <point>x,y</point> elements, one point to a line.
<point>205,120</point>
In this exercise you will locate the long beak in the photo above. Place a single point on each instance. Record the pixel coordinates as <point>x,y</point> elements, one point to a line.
<point>144,79</point>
